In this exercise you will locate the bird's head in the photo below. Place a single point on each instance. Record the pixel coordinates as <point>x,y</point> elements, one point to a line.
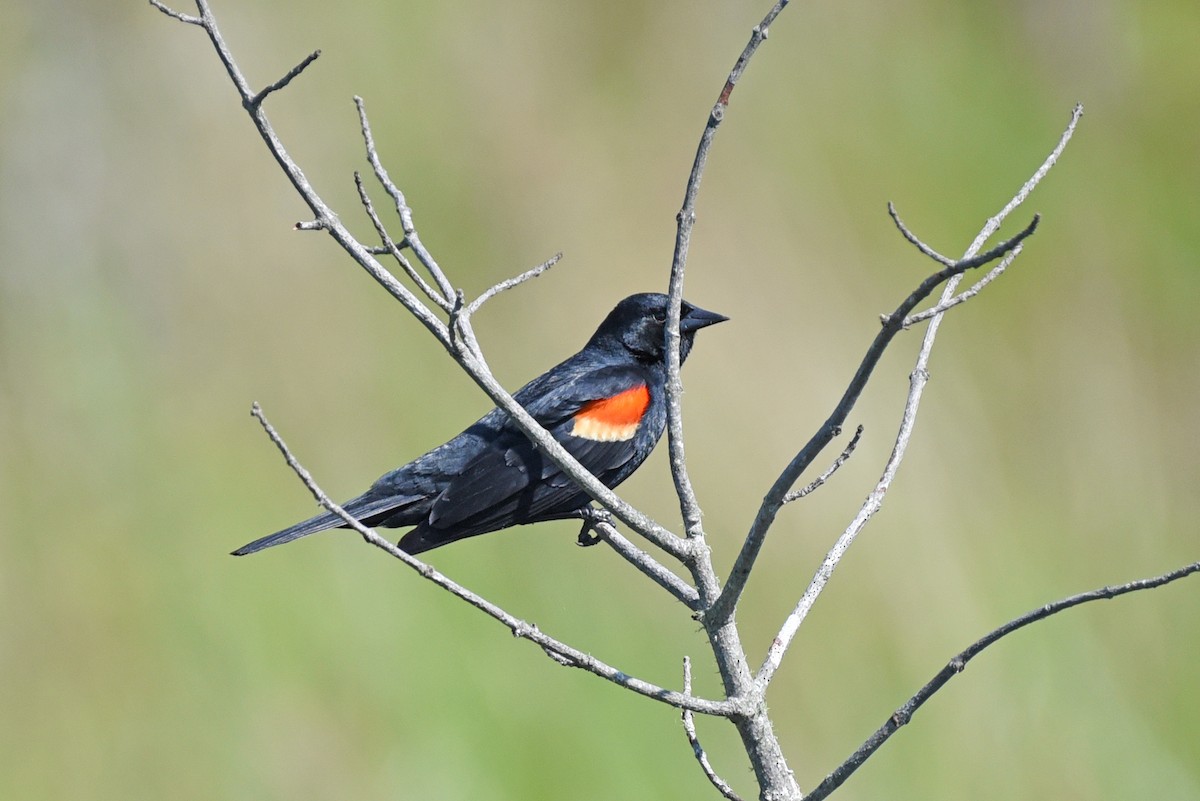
<point>638,325</point>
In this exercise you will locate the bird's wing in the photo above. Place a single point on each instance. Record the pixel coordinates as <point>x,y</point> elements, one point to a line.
<point>595,416</point>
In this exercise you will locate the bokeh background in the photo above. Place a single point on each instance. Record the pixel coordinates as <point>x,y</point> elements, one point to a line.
<point>151,287</point>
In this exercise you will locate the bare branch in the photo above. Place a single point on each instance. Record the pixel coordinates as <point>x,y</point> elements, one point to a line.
<point>562,653</point>
<point>705,576</point>
<point>956,665</point>
<point>689,728</point>
<point>257,100</point>
<point>833,468</point>
<point>509,283</point>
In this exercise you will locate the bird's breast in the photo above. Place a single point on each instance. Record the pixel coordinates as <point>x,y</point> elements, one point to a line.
<point>613,419</point>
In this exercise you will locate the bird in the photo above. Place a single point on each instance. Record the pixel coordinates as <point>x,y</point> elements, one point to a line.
<point>606,404</point>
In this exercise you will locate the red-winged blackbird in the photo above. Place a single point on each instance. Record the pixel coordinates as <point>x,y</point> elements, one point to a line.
<point>606,405</point>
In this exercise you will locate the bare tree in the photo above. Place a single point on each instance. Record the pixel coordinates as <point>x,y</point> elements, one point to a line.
<point>447,314</point>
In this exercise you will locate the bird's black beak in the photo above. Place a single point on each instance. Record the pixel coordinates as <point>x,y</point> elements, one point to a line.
<point>695,318</point>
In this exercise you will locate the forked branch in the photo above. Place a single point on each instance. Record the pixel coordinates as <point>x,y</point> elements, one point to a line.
<point>774,500</point>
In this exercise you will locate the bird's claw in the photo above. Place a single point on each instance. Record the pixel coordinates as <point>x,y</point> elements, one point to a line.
<point>592,517</point>
<point>587,536</point>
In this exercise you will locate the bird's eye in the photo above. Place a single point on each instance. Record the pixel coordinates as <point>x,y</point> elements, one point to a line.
<point>660,317</point>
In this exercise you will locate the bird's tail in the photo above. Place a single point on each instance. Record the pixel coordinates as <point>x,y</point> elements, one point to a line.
<point>321,522</point>
<point>371,508</point>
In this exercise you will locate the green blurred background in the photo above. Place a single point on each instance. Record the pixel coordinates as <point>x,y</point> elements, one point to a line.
<point>151,288</point>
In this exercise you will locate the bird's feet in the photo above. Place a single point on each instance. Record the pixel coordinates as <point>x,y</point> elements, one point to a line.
<point>592,517</point>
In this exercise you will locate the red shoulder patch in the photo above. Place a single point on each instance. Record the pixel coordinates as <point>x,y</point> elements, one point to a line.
<point>612,419</point>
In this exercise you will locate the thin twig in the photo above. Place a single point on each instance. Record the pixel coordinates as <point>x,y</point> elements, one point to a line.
<point>689,728</point>
<point>966,295</point>
<point>956,665</point>
<point>402,209</point>
<point>911,237</point>
<point>391,247</point>
<point>993,224</point>
<point>176,15</point>
<point>257,100</point>
<point>509,283</point>
<point>519,628</point>
<point>647,564</point>
<point>814,485</point>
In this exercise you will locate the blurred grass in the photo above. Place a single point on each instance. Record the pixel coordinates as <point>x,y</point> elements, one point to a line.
<point>150,288</point>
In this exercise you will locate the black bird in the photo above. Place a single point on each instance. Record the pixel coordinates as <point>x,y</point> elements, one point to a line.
<point>606,405</point>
